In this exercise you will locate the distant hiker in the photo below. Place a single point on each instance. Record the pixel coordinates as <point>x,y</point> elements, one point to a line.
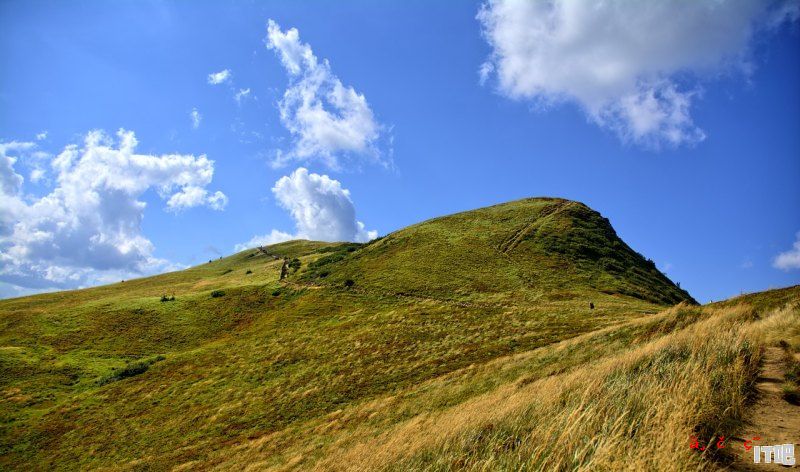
<point>591,306</point>
<point>285,268</point>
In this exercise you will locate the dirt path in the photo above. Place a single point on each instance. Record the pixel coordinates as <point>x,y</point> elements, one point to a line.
<point>772,418</point>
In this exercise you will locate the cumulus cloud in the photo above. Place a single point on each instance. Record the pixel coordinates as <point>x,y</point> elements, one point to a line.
<point>219,77</point>
<point>41,136</point>
<point>620,60</point>
<point>10,181</point>
<point>321,208</point>
<point>326,119</point>
<point>192,196</point>
<point>87,229</point>
<point>790,259</point>
<point>196,118</point>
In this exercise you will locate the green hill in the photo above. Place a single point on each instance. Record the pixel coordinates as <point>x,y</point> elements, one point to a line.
<point>342,363</point>
<point>525,251</point>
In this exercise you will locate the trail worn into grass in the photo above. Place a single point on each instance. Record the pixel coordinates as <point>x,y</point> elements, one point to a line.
<point>771,418</point>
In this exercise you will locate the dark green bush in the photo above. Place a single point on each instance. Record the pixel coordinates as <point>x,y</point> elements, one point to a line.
<point>217,293</point>
<point>131,369</point>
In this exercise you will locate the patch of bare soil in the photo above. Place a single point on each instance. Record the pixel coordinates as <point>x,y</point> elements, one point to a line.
<point>771,419</point>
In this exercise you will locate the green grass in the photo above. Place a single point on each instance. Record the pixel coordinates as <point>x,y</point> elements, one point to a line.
<point>357,341</point>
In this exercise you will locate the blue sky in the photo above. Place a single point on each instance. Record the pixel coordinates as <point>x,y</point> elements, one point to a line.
<point>683,129</point>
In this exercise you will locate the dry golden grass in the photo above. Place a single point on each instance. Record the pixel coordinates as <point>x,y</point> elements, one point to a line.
<point>633,411</point>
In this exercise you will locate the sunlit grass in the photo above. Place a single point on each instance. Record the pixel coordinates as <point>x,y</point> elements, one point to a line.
<point>446,328</point>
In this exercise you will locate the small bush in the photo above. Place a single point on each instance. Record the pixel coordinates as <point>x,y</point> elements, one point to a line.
<point>349,283</point>
<point>248,272</point>
<point>295,264</point>
<point>165,298</point>
<point>276,292</point>
<point>131,369</point>
<point>217,293</point>
<point>793,372</point>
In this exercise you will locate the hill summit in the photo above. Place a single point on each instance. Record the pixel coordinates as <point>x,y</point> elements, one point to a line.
<point>541,247</point>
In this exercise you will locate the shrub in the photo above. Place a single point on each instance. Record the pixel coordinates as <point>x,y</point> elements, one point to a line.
<point>349,283</point>
<point>131,369</point>
<point>248,272</point>
<point>295,264</point>
<point>276,292</point>
<point>793,372</point>
<point>165,298</point>
<point>217,293</point>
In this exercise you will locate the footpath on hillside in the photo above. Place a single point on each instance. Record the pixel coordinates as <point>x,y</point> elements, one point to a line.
<point>772,419</point>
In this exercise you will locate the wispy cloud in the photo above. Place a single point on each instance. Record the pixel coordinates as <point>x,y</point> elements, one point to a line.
<point>217,78</point>
<point>328,121</point>
<point>196,118</point>
<point>241,95</point>
<point>790,259</point>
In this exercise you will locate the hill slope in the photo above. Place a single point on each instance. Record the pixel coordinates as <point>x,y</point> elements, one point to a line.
<point>358,341</point>
<point>542,247</point>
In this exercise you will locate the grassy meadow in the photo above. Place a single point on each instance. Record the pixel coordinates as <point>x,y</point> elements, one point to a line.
<point>524,336</point>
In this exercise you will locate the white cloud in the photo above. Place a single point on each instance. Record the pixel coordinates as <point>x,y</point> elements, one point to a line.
<point>321,209</point>
<point>219,77</point>
<point>196,118</point>
<point>327,120</point>
<point>10,181</point>
<point>37,175</point>
<point>273,237</point>
<point>87,230</point>
<point>41,136</point>
<point>192,196</point>
<point>242,94</point>
<point>620,60</point>
<point>790,259</point>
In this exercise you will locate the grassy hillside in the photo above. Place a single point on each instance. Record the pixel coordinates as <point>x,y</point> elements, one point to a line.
<point>526,251</point>
<point>463,342</point>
